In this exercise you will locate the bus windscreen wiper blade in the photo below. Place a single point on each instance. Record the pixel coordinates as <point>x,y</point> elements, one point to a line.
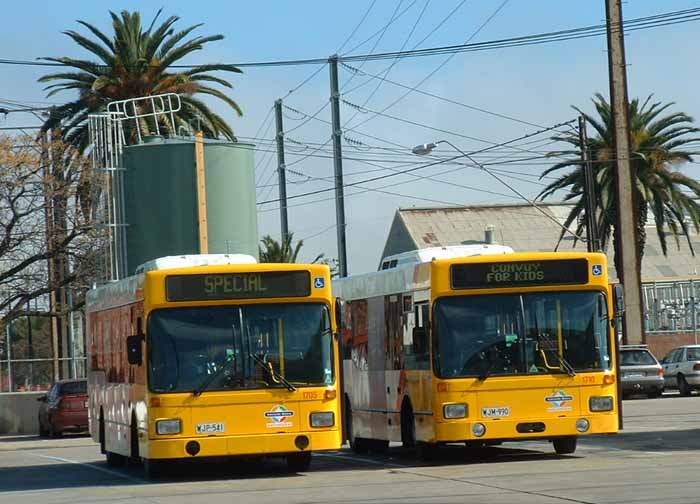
<point>565,364</point>
<point>210,378</point>
<point>271,371</point>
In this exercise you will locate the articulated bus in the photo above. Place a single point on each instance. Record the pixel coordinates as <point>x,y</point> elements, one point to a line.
<point>214,356</point>
<point>488,347</point>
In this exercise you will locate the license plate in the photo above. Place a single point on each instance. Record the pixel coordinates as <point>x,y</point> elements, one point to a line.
<point>210,428</point>
<point>503,411</point>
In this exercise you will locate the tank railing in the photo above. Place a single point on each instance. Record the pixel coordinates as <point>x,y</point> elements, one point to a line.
<point>107,139</point>
<point>145,107</point>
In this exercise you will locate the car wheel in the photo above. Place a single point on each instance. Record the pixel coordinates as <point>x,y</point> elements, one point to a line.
<point>53,432</point>
<point>683,386</point>
<point>566,445</point>
<point>42,431</point>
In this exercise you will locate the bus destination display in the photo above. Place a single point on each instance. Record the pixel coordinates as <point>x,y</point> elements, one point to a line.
<point>269,284</point>
<point>520,273</point>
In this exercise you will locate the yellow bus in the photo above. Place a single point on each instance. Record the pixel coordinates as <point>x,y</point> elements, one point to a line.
<point>214,356</point>
<point>479,346</point>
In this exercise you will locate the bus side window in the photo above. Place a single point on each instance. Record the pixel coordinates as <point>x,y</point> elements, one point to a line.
<point>420,349</point>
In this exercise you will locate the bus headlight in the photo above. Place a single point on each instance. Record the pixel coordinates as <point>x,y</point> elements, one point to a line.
<point>172,426</point>
<point>455,410</point>
<point>478,429</point>
<point>324,419</point>
<point>582,425</point>
<point>601,403</point>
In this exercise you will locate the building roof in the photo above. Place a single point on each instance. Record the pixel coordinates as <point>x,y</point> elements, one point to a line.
<point>526,229</point>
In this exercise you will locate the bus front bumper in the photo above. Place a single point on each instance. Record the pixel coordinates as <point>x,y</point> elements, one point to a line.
<point>512,430</point>
<point>228,446</point>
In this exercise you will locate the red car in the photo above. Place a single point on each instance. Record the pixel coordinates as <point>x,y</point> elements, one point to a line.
<point>64,408</point>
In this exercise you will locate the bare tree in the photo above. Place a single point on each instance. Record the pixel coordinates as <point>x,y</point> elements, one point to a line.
<point>48,240</point>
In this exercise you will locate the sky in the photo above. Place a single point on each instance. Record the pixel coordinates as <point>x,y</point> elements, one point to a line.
<point>488,97</point>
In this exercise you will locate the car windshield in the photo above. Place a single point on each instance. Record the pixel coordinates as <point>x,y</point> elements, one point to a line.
<point>239,347</point>
<point>636,358</point>
<point>74,388</point>
<point>517,334</point>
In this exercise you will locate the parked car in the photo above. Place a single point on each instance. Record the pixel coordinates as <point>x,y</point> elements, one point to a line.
<point>682,369</point>
<point>64,408</point>
<point>641,372</point>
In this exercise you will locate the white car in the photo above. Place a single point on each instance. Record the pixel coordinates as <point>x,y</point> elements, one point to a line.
<point>682,369</point>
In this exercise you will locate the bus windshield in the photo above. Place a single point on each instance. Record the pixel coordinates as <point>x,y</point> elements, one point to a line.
<point>521,334</point>
<point>239,347</point>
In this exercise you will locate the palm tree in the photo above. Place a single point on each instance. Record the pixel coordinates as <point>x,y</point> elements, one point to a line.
<point>282,251</point>
<point>657,143</point>
<point>134,63</point>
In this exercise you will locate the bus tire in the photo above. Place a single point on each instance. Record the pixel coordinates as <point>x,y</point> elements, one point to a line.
<point>358,445</point>
<point>427,451</point>
<point>379,445</point>
<point>153,469</point>
<point>101,432</point>
<point>299,462</point>
<point>134,441</point>
<point>114,459</point>
<point>408,425</point>
<point>565,445</point>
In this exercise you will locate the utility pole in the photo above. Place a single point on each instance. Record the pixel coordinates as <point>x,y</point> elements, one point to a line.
<point>633,328</point>
<point>338,165</point>
<point>589,188</point>
<point>281,174</point>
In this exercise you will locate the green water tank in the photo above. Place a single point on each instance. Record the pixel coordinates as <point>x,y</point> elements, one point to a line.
<point>161,202</point>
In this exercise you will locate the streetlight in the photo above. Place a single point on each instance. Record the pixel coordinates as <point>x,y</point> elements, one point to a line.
<point>426,148</point>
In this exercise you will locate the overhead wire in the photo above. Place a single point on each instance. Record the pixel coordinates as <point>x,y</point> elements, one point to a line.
<point>658,20</point>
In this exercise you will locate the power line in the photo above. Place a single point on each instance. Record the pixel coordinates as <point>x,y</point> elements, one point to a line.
<point>423,166</point>
<point>647,22</point>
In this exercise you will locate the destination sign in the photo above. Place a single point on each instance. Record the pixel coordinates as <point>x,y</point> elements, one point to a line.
<point>519,273</point>
<point>268,284</point>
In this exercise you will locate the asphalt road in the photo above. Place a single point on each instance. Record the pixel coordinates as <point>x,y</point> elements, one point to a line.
<point>656,459</point>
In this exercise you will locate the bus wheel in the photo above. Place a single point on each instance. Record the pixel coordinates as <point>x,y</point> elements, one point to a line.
<point>566,445</point>
<point>114,459</point>
<point>426,451</point>
<point>358,445</point>
<point>101,433</point>
<point>299,462</point>
<point>134,442</point>
<point>153,469</point>
<point>379,445</point>
<point>408,426</point>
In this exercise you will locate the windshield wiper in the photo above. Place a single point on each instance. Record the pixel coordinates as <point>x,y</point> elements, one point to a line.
<point>566,365</point>
<point>487,372</point>
<point>276,377</point>
<point>210,378</point>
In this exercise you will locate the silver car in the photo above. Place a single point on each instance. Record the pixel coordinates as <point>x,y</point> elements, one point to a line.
<point>682,369</point>
<point>640,372</point>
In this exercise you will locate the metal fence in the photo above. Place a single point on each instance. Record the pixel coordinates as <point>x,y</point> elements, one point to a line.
<point>671,306</point>
<point>25,375</point>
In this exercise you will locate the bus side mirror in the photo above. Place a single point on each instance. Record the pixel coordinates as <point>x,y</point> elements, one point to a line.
<point>339,313</point>
<point>619,298</point>
<point>133,349</point>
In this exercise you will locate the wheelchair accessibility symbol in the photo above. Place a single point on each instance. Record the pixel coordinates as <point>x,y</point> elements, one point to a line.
<point>597,270</point>
<point>319,283</point>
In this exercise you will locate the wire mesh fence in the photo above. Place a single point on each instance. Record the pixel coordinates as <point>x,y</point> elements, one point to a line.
<point>26,375</point>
